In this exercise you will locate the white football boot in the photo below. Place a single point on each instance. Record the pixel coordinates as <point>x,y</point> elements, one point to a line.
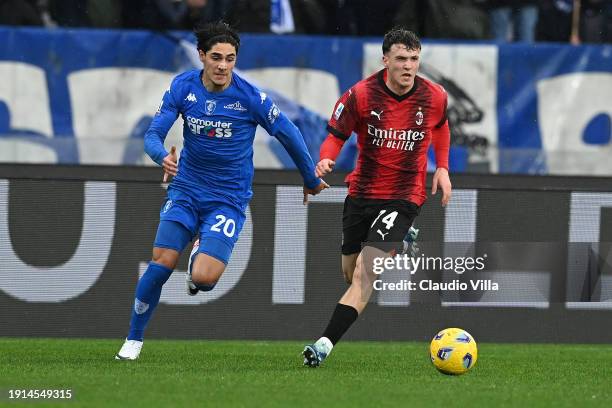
<point>191,288</point>
<point>130,350</point>
<point>315,354</point>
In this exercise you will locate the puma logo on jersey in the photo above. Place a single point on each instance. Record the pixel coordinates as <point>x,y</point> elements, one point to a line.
<point>377,114</point>
<point>382,234</point>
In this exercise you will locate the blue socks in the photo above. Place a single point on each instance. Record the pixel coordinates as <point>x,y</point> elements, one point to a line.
<point>148,292</point>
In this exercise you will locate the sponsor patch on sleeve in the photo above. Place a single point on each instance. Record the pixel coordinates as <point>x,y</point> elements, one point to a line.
<point>338,111</point>
<point>273,114</point>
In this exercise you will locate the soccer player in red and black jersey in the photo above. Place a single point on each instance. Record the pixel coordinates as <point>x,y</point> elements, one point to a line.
<point>396,115</point>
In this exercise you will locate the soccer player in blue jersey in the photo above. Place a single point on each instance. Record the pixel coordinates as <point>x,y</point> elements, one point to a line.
<point>211,187</point>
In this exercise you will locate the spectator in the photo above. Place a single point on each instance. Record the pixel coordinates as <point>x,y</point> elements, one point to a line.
<point>361,17</point>
<point>596,21</point>
<point>513,20</point>
<point>140,14</point>
<point>555,20</point>
<point>186,14</point>
<point>461,19</point>
<point>309,17</point>
<point>105,13</point>
<point>69,13</point>
<point>19,13</point>
<point>250,16</point>
<point>411,14</point>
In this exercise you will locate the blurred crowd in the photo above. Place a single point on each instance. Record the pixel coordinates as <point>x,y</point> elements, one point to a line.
<point>575,21</point>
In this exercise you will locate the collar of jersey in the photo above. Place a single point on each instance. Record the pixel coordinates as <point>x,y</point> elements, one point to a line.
<point>223,92</point>
<point>399,98</point>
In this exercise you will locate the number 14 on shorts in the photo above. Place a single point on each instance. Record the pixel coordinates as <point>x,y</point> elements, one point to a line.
<point>388,221</point>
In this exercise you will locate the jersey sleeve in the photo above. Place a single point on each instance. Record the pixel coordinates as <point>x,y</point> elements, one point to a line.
<point>444,116</point>
<point>267,114</point>
<point>344,118</point>
<point>441,137</point>
<point>331,147</point>
<point>164,118</point>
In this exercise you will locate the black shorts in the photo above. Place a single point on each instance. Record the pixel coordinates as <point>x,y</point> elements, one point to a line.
<point>382,224</point>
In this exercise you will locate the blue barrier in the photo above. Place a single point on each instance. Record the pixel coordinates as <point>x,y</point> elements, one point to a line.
<point>511,107</point>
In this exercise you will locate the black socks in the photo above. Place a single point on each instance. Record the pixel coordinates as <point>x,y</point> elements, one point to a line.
<point>342,318</point>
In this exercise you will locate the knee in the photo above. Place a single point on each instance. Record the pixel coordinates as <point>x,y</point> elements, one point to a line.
<point>348,270</point>
<point>363,272</point>
<point>165,257</point>
<point>206,288</point>
<point>357,271</point>
<point>204,278</point>
<point>206,271</point>
<point>205,285</point>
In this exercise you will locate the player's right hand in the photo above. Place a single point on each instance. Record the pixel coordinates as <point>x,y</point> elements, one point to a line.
<point>325,166</point>
<point>170,164</point>
<point>314,191</point>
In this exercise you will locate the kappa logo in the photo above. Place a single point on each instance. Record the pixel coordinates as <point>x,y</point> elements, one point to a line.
<point>419,117</point>
<point>210,106</point>
<point>237,106</point>
<point>377,114</point>
<point>191,97</point>
<point>263,96</point>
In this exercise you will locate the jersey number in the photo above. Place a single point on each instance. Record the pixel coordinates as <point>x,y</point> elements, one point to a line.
<point>388,219</point>
<point>228,229</point>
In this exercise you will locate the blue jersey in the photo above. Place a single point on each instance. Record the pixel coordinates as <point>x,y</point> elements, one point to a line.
<point>219,128</point>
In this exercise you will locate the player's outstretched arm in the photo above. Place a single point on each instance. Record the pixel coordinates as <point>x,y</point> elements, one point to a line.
<point>330,149</point>
<point>170,164</point>
<point>325,166</point>
<point>442,180</point>
<point>293,141</point>
<point>154,137</point>
<point>278,125</point>
<point>314,191</point>
<point>441,142</point>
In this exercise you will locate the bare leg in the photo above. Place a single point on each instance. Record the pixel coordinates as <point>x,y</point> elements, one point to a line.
<point>348,266</point>
<point>206,270</point>
<point>166,257</point>
<point>360,291</point>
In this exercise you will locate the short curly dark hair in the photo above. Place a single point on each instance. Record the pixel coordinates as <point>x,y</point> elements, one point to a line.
<point>210,34</point>
<point>401,35</point>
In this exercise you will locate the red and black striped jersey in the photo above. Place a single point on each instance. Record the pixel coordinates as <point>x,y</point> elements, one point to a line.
<point>393,135</point>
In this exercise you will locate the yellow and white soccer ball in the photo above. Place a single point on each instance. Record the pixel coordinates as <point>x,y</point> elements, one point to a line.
<point>453,351</point>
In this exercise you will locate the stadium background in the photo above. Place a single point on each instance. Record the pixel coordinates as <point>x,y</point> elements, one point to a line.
<point>73,241</point>
<point>70,99</point>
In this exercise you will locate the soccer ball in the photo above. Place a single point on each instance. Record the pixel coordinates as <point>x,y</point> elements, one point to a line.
<point>453,351</point>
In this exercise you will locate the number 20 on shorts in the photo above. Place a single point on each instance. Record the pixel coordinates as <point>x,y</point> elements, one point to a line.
<point>228,225</point>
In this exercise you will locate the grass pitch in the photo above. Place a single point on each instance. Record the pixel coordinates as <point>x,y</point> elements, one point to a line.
<point>254,373</point>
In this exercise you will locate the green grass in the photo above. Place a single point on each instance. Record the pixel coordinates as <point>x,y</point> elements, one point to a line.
<point>255,373</point>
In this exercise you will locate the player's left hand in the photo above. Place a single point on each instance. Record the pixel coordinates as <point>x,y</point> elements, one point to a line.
<point>441,179</point>
<point>324,167</point>
<point>170,164</point>
<point>314,191</point>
